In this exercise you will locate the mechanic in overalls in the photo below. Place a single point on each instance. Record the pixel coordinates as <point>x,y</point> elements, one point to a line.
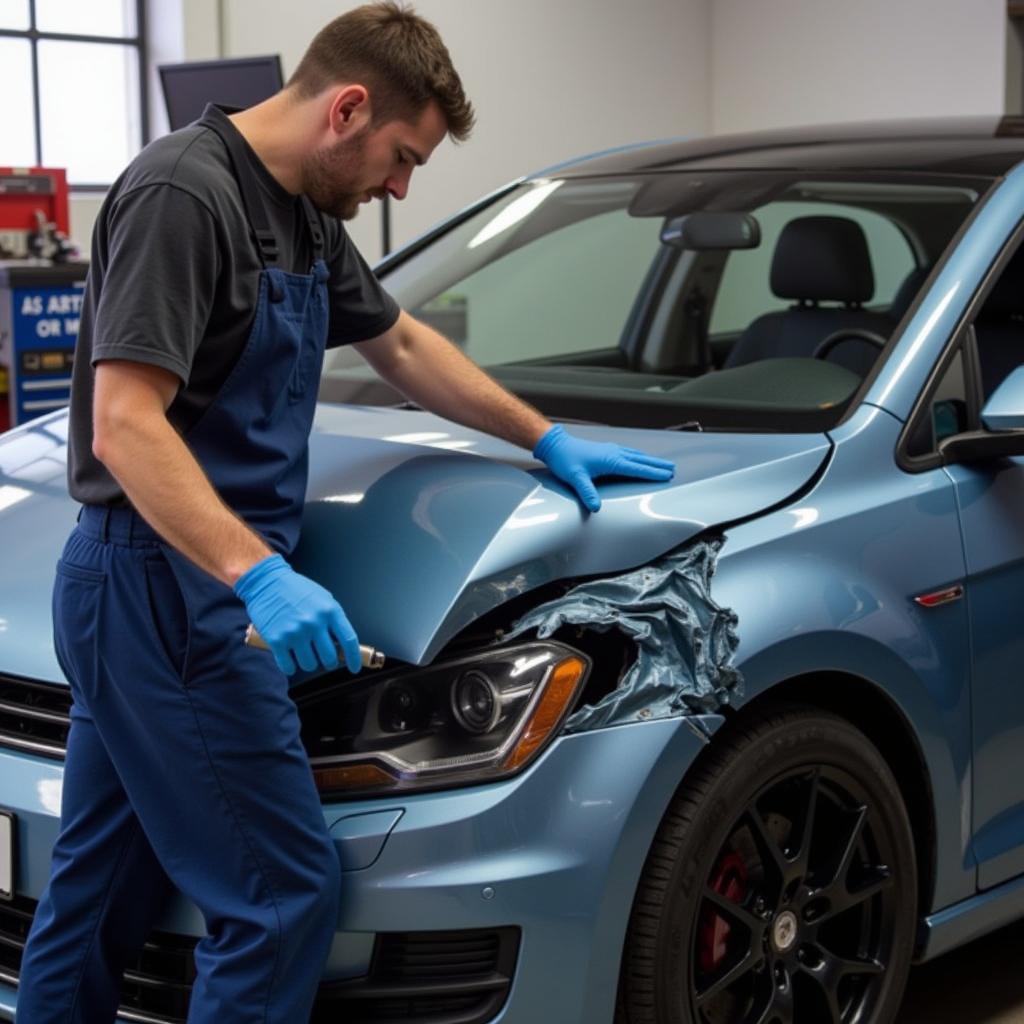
<point>220,271</point>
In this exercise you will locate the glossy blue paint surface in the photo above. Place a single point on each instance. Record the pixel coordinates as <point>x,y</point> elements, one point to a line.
<point>477,531</point>
<point>561,846</point>
<point>37,514</point>
<point>972,918</point>
<point>420,526</point>
<point>827,585</point>
<point>359,838</point>
<point>991,497</point>
<point>1004,410</point>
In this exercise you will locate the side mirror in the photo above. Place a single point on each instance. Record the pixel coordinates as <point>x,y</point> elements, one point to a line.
<point>1005,408</point>
<point>707,229</point>
<point>1003,419</point>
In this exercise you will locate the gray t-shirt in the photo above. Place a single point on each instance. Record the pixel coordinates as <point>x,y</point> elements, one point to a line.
<point>174,278</point>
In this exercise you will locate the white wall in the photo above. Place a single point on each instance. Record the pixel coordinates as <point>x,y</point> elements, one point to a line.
<point>177,30</point>
<point>548,80</point>
<point>82,211</point>
<point>554,80</point>
<point>792,62</point>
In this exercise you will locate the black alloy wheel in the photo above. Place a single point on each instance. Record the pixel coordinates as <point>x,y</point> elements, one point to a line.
<point>781,887</point>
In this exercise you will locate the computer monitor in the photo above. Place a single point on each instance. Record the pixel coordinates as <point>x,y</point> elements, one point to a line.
<point>237,82</point>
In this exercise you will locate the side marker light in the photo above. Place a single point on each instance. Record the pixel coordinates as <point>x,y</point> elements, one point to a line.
<point>351,776</point>
<point>940,597</point>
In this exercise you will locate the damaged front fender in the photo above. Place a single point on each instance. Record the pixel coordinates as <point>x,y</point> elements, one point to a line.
<point>685,641</point>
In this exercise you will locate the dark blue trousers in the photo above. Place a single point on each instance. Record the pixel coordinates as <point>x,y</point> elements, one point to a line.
<point>184,766</point>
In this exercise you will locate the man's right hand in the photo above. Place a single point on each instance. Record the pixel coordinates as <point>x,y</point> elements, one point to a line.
<point>159,474</point>
<point>298,618</point>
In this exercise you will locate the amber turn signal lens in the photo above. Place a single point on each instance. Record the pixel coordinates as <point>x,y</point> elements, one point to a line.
<point>351,777</point>
<point>559,691</point>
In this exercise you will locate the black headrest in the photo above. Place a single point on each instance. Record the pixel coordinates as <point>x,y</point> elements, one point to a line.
<point>1007,298</point>
<point>823,259</point>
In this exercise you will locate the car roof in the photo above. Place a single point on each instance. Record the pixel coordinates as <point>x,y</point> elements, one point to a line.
<point>985,146</point>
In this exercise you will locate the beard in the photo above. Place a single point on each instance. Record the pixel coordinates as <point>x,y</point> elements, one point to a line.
<point>330,176</point>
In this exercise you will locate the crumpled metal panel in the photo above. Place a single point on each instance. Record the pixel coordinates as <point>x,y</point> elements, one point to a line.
<point>418,541</point>
<point>685,641</point>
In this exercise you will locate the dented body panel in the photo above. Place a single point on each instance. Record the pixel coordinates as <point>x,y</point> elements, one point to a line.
<point>417,541</point>
<point>685,642</point>
<point>828,585</point>
<point>419,526</point>
<point>422,527</point>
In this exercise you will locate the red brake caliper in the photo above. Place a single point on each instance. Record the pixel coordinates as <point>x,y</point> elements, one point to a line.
<point>730,881</point>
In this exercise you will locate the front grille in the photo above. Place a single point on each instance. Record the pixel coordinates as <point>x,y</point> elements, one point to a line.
<point>429,977</point>
<point>34,716</point>
<point>157,983</point>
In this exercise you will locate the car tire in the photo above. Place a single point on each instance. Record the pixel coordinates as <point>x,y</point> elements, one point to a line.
<point>727,930</point>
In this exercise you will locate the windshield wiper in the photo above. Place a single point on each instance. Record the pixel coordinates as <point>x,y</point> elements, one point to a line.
<point>688,425</point>
<point>558,419</point>
<point>571,419</point>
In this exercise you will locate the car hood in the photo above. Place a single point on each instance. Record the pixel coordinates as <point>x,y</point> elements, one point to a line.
<point>419,526</point>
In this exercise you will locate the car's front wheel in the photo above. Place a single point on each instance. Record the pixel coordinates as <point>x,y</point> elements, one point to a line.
<point>781,887</point>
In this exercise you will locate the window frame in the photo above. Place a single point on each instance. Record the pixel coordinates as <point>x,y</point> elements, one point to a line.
<point>962,337</point>
<point>34,36</point>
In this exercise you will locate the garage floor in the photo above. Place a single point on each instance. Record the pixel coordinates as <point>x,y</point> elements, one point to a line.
<point>983,983</point>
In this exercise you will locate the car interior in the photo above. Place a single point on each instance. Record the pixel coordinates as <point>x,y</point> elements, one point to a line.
<point>778,337</point>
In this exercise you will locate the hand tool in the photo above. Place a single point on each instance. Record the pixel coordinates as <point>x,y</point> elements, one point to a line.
<point>370,656</point>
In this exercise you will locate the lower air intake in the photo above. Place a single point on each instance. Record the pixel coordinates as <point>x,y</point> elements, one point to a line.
<point>454,977</point>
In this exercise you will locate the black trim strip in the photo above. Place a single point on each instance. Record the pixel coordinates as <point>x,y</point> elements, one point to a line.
<point>31,712</point>
<point>33,746</point>
<point>446,988</point>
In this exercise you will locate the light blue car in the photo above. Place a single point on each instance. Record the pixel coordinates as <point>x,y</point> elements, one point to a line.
<point>736,749</point>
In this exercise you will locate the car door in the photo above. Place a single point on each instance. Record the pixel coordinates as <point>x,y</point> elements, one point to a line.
<point>990,499</point>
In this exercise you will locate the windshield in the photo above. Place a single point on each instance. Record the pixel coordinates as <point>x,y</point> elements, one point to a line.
<point>575,294</point>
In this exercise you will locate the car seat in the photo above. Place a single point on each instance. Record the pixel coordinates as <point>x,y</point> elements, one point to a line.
<point>817,259</point>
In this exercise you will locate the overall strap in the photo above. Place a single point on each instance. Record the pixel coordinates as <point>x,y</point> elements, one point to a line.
<point>315,230</point>
<point>255,211</point>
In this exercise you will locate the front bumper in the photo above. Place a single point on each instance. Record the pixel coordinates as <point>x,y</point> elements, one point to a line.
<point>555,853</point>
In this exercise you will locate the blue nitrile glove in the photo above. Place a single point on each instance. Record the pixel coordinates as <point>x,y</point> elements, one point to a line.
<point>578,463</point>
<point>296,617</point>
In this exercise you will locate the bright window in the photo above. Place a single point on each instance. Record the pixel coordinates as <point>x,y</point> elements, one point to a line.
<point>71,76</point>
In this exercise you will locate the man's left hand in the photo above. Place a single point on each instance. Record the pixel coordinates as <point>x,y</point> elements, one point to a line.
<point>578,463</point>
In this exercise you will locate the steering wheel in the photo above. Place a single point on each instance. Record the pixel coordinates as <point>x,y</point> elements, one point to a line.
<point>847,334</point>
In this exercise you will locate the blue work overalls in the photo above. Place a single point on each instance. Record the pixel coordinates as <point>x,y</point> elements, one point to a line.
<point>183,758</point>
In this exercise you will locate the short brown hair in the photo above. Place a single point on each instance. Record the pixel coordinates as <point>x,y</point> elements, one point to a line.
<point>397,55</point>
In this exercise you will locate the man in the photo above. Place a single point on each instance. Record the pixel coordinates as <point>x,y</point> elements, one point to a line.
<point>220,270</point>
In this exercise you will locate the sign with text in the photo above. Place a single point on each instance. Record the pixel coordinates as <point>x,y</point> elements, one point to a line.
<point>39,347</point>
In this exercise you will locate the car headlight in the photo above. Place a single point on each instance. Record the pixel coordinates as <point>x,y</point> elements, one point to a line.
<point>474,719</point>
